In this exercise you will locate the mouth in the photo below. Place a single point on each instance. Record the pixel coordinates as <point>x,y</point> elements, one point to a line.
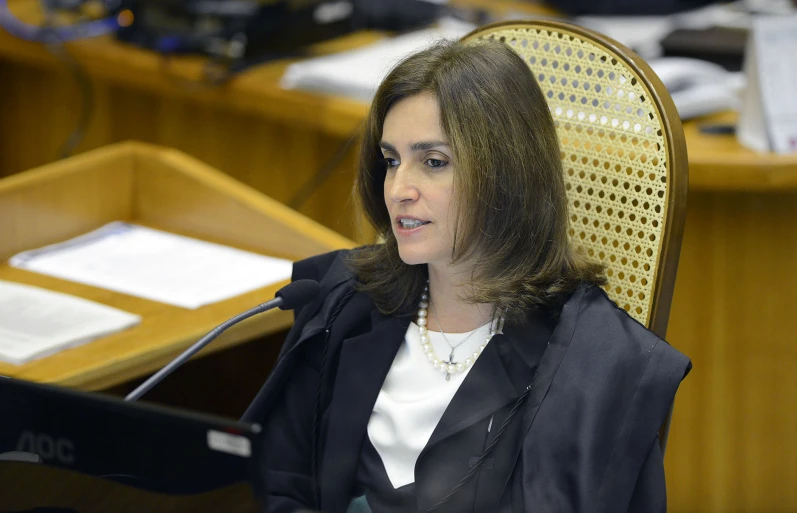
<point>407,224</point>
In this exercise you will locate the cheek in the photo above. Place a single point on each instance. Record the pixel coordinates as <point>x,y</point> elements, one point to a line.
<point>447,204</point>
<point>385,193</point>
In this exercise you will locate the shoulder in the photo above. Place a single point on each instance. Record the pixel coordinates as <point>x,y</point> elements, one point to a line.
<point>330,265</point>
<point>601,322</point>
<point>629,376</point>
<point>337,281</point>
<point>316,267</point>
<point>611,354</point>
<point>613,380</point>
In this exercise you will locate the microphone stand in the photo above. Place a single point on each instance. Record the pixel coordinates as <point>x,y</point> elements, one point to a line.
<point>191,351</point>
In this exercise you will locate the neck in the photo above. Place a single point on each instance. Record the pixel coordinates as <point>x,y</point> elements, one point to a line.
<point>446,290</point>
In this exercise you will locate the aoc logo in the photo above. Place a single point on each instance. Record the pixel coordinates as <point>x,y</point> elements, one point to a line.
<point>48,447</point>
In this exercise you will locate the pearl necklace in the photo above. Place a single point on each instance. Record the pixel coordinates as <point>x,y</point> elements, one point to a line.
<point>448,367</point>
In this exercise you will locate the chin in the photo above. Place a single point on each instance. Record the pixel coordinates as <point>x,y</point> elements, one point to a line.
<point>411,256</point>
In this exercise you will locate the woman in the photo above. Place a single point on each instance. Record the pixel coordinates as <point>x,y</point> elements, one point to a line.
<point>471,362</point>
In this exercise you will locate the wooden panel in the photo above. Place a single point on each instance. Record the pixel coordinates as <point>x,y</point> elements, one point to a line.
<point>223,383</point>
<point>64,200</point>
<point>40,110</point>
<point>732,446</point>
<point>183,194</point>
<point>273,157</point>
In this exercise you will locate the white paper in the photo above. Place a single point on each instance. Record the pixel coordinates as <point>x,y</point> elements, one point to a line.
<point>751,127</point>
<point>357,73</point>
<point>776,55</point>
<point>156,265</point>
<point>642,34</point>
<point>36,322</point>
<point>699,87</point>
<point>768,121</point>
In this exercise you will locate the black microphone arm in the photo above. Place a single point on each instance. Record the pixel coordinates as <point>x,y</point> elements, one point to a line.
<point>289,297</point>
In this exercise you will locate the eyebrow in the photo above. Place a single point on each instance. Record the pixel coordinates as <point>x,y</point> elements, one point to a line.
<point>418,146</point>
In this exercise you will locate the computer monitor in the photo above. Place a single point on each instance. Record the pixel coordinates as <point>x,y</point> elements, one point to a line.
<point>68,451</point>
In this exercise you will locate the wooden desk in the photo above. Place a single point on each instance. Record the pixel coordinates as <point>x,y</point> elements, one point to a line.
<point>164,189</point>
<point>731,446</point>
<point>720,163</point>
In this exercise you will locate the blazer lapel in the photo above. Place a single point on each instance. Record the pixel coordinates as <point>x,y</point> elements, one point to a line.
<point>499,377</point>
<point>535,344</point>
<point>364,363</point>
<point>486,388</point>
<point>460,436</point>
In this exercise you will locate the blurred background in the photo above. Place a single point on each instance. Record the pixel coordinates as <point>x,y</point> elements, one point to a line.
<point>273,92</point>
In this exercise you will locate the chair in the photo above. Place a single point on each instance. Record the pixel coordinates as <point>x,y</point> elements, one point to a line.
<point>624,157</point>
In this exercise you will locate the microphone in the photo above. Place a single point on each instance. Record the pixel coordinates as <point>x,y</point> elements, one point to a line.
<point>289,297</point>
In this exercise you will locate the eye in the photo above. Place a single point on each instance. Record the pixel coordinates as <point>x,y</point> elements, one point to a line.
<point>390,162</point>
<point>435,163</point>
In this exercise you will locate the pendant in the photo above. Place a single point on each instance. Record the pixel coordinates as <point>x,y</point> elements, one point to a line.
<point>449,362</point>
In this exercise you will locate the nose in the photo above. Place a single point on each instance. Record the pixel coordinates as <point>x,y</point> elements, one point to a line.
<point>400,185</point>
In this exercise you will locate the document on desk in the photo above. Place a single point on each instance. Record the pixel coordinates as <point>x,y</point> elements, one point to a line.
<point>36,322</point>
<point>357,73</point>
<point>156,265</point>
<point>768,118</point>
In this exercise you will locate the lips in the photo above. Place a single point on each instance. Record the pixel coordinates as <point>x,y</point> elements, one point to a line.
<point>409,223</point>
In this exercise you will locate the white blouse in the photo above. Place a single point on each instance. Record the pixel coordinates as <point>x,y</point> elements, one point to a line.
<point>414,397</point>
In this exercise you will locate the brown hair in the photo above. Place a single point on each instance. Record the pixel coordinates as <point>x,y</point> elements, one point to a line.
<point>508,180</point>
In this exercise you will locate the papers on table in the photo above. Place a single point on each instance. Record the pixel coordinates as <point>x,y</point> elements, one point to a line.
<point>156,265</point>
<point>699,87</point>
<point>357,73</point>
<point>36,322</point>
<point>768,118</point>
<point>643,34</point>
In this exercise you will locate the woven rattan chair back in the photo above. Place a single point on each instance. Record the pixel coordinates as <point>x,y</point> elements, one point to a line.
<point>623,155</point>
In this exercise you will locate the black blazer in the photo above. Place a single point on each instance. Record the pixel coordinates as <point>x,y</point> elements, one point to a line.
<point>584,441</point>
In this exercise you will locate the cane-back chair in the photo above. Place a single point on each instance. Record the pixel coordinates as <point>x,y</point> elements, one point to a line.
<point>623,155</point>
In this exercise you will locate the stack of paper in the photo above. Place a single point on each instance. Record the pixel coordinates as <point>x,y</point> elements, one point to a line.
<point>156,265</point>
<point>699,87</point>
<point>36,322</point>
<point>768,118</point>
<point>357,73</point>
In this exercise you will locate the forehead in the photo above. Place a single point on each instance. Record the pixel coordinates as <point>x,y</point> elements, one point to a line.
<point>413,119</point>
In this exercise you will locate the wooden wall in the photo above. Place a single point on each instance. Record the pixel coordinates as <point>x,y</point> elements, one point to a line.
<point>40,108</point>
<point>732,446</point>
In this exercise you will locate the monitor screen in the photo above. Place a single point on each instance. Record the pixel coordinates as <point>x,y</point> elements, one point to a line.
<point>88,453</point>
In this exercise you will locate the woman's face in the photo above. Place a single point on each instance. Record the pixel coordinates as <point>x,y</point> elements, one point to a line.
<point>419,184</point>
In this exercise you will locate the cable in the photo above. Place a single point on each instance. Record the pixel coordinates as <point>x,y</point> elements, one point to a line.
<point>30,32</point>
<point>312,185</point>
<point>86,101</point>
<point>50,37</point>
